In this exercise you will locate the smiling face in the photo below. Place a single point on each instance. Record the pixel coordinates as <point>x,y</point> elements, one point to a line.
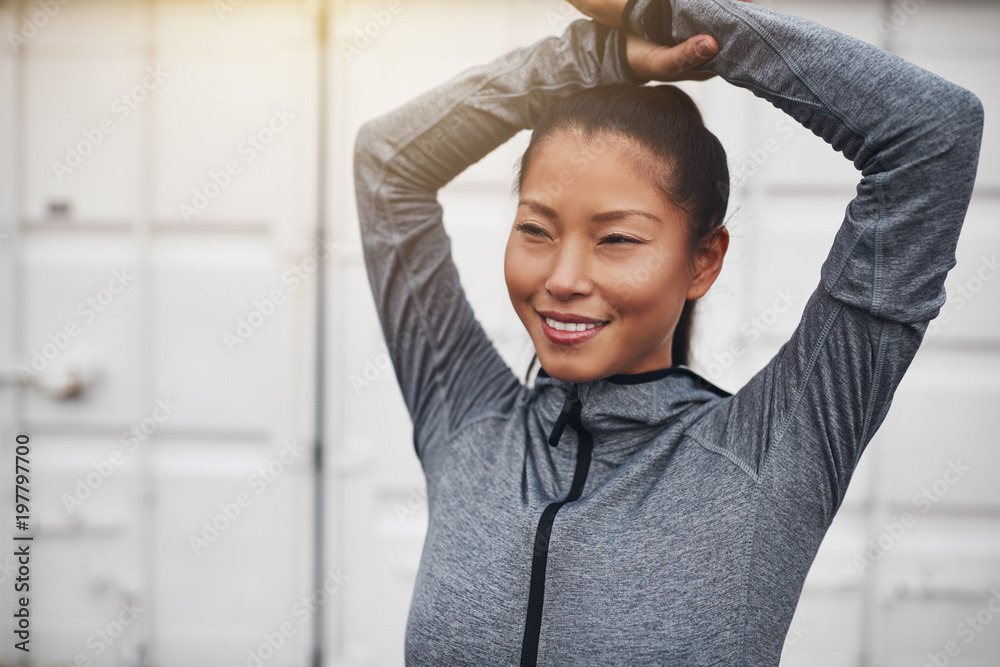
<point>597,263</point>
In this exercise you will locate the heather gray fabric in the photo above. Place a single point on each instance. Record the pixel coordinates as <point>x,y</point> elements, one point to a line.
<point>702,512</point>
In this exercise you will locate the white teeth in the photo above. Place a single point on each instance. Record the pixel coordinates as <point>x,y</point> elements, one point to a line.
<point>568,326</point>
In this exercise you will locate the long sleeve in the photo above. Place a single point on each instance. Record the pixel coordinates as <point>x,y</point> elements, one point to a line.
<point>447,368</point>
<point>802,422</point>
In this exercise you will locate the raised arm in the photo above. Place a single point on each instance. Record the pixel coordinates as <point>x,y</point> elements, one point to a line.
<point>804,420</point>
<point>447,368</point>
<point>914,136</point>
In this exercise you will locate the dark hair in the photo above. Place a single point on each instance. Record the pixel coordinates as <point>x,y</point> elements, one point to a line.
<point>676,153</point>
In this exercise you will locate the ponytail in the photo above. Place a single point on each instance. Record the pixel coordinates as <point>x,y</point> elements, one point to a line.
<point>680,347</point>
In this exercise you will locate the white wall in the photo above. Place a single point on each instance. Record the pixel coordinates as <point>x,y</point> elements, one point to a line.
<point>156,334</point>
<point>162,336</point>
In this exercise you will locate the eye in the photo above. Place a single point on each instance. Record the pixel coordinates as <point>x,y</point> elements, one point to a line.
<point>620,238</point>
<point>530,229</point>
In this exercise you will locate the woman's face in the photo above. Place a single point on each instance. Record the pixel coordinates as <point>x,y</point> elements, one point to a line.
<point>597,265</point>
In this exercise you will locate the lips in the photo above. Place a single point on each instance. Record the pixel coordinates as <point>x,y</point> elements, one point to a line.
<point>569,328</point>
<point>570,317</point>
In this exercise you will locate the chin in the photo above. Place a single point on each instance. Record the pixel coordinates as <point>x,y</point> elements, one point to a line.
<point>570,371</point>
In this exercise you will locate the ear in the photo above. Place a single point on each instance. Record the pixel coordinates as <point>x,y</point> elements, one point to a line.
<point>708,265</point>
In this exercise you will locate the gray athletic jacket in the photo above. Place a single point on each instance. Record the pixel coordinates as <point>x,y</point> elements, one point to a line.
<point>654,519</point>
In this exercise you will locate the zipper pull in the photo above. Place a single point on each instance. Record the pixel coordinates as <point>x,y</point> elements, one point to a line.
<point>571,405</point>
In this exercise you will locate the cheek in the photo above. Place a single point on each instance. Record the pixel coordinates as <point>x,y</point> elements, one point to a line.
<point>647,289</point>
<point>519,272</point>
<point>513,273</point>
<point>508,264</point>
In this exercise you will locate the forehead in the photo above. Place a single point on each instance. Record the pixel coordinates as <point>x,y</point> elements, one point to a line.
<point>601,165</point>
<point>575,140</point>
<point>570,149</point>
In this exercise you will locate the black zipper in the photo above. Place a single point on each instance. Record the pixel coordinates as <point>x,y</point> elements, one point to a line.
<point>570,415</point>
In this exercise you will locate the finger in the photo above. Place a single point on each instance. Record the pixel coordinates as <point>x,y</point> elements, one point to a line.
<point>705,47</point>
<point>690,53</point>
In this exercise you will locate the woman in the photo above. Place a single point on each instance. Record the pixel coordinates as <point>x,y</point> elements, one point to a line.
<point>687,517</point>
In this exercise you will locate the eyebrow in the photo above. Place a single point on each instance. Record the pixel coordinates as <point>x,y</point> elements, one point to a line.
<point>606,216</point>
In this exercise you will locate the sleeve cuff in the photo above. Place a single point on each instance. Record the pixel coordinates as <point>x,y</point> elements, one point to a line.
<point>623,58</point>
<point>650,19</point>
<point>629,6</point>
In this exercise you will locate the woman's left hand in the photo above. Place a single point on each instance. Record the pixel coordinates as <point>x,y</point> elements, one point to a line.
<point>648,59</point>
<point>656,62</point>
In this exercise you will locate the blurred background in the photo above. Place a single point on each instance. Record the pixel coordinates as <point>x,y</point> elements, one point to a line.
<point>164,168</point>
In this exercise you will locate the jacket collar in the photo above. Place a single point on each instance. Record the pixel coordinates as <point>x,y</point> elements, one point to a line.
<point>624,411</point>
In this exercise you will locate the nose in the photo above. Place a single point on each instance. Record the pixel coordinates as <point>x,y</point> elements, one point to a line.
<point>569,274</point>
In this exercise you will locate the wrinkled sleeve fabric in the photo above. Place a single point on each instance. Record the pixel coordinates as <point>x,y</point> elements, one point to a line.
<point>448,370</point>
<point>806,417</point>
